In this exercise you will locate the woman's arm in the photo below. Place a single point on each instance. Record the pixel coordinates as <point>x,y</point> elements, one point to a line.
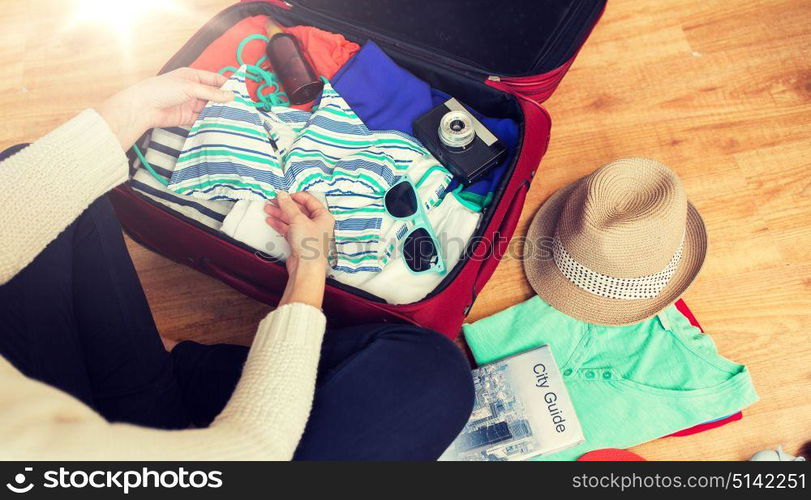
<point>267,413</point>
<point>47,185</point>
<point>308,227</point>
<point>51,182</point>
<point>263,420</point>
<point>60,175</point>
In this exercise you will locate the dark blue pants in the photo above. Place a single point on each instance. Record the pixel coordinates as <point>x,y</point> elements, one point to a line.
<point>77,319</point>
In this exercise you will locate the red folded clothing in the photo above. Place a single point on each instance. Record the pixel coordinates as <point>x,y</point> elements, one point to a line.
<point>326,51</point>
<point>682,307</point>
<point>611,455</point>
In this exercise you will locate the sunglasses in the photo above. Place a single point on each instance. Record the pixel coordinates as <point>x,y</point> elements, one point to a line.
<point>420,248</point>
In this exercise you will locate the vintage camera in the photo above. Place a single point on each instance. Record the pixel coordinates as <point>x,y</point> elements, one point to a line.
<point>459,141</point>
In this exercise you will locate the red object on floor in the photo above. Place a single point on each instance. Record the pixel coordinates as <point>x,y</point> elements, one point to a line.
<point>611,455</point>
<point>682,307</point>
<point>707,426</point>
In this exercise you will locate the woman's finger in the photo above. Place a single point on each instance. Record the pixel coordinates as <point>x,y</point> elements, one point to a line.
<point>208,93</point>
<point>190,120</point>
<point>209,78</point>
<point>200,76</point>
<point>310,203</point>
<point>278,225</point>
<point>275,211</point>
<point>288,207</point>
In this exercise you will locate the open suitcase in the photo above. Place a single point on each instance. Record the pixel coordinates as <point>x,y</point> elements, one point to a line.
<point>504,59</point>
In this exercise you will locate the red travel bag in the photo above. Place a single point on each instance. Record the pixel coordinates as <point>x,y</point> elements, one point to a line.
<point>501,58</point>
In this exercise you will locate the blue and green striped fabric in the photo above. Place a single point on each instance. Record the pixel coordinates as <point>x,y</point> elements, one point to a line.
<point>237,152</point>
<point>163,149</point>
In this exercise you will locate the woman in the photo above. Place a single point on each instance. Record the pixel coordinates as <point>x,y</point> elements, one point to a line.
<point>98,382</point>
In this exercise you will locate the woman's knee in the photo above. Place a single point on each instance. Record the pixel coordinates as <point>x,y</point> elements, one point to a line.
<point>445,377</point>
<point>403,393</point>
<point>6,153</point>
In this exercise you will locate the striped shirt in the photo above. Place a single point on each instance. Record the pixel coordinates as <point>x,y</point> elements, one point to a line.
<point>236,152</point>
<point>164,147</point>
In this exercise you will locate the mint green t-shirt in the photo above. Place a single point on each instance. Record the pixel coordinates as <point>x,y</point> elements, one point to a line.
<point>628,384</point>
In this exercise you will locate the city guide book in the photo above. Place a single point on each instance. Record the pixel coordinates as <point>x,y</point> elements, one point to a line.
<point>522,410</point>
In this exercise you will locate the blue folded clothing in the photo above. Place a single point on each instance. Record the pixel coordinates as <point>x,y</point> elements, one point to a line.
<point>388,97</point>
<point>384,95</point>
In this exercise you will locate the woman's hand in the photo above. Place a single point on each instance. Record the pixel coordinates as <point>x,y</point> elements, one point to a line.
<point>169,100</point>
<point>308,227</point>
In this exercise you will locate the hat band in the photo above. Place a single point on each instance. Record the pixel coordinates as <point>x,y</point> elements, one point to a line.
<point>643,287</point>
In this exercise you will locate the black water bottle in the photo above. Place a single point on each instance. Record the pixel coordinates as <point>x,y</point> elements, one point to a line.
<point>296,75</point>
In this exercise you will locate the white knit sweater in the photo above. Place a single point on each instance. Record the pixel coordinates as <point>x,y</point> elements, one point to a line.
<point>44,188</point>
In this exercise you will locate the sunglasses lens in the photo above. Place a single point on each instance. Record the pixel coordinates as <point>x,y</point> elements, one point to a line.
<point>420,251</point>
<point>401,200</point>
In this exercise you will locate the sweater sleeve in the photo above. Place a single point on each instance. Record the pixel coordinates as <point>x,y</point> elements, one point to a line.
<point>264,419</point>
<point>51,182</point>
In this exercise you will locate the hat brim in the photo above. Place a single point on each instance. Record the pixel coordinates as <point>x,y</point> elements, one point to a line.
<point>556,290</point>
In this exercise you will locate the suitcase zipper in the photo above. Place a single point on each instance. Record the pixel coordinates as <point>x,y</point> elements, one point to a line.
<point>561,44</point>
<point>536,88</point>
<point>413,51</point>
<point>539,88</point>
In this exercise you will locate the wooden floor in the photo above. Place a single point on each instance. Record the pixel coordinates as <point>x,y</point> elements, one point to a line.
<point>720,90</point>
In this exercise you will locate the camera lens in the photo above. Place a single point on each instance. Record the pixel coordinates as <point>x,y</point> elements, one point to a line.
<point>456,130</point>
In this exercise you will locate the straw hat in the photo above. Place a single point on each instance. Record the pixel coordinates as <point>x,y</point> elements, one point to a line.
<point>616,246</point>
